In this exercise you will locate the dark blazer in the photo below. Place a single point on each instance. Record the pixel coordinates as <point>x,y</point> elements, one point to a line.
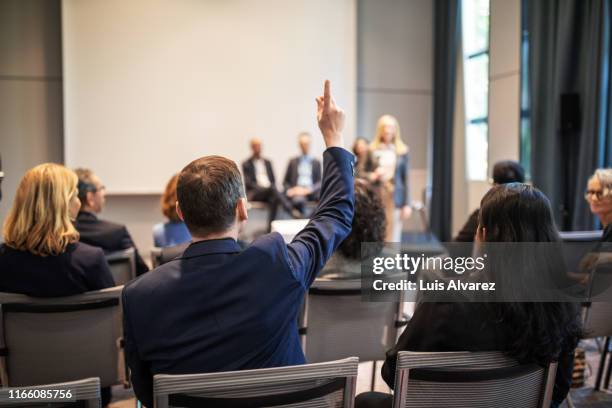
<point>469,229</point>
<point>79,269</point>
<point>107,235</point>
<point>291,175</point>
<point>463,327</point>
<point>220,308</point>
<point>401,192</point>
<point>250,178</point>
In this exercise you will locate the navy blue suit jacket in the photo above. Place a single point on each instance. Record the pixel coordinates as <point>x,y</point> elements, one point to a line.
<point>220,308</point>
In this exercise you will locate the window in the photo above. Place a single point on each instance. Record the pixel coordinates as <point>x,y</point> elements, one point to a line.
<point>475,23</point>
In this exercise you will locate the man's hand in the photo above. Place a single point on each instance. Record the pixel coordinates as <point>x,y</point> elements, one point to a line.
<point>330,118</point>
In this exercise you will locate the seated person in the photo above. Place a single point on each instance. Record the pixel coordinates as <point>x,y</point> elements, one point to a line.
<point>107,235</point>
<point>368,226</point>
<point>507,171</point>
<point>531,332</point>
<point>599,197</point>
<point>173,232</point>
<point>220,308</point>
<point>365,165</point>
<point>41,255</point>
<point>259,182</point>
<point>303,176</point>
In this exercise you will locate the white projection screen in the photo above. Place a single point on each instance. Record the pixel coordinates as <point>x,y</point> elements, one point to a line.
<point>150,85</point>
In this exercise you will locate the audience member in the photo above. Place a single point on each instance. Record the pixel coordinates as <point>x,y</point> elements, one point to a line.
<point>173,232</point>
<point>368,227</point>
<point>107,235</point>
<point>391,160</point>
<point>228,309</point>
<point>599,197</point>
<point>260,182</point>
<point>504,172</point>
<point>529,331</point>
<point>364,165</point>
<point>302,180</point>
<point>41,255</point>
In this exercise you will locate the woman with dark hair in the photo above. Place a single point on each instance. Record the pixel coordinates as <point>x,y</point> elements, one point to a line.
<point>368,226</point>
<point>531,332</point>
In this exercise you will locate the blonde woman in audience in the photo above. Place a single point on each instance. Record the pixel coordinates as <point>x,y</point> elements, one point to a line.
<point>173,232</point>
<point>390,155</point>
<point>41,255</point>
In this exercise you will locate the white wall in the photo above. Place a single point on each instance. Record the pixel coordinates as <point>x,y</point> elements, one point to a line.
<point>394,75</point>
<point>30,89</point>
<point>154,84</point>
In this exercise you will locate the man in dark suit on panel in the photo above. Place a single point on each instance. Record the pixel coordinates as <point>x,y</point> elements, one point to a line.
<point>260,182</point>
<point>107,235</point>
<point>303,177</point>
<point>220,308</point>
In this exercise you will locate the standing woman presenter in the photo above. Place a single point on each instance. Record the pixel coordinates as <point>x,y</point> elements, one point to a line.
<point>390,155</point>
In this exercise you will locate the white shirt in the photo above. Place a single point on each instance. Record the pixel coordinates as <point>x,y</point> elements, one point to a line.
<point>261,174</point>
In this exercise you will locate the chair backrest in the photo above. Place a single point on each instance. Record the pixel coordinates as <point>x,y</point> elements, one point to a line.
<point>49,340</point>
<point>469,379</point>
<point>330,384</point>
<point>338,324</point>
<point>122,265</point>
<point>86,391</point>
<point>156,257</point>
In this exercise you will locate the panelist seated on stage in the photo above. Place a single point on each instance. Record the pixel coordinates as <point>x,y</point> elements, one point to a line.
<point>260,183</point>
<point>109,236</point>
<point>302,180</point>
<point>219,307</point>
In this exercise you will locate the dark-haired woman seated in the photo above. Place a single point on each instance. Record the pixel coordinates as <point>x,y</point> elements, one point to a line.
<point>368,226</point>
<point>531,332</point>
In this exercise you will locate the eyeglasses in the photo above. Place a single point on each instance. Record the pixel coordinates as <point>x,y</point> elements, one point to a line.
<point>590,194</point>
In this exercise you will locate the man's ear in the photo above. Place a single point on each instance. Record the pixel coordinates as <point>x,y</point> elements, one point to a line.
<point>179,212</point>
<point>241,209</point>
<point>89,199</point>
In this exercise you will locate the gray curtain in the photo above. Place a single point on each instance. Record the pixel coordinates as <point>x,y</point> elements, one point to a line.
<point>569,53</point>
<point>447,37</point>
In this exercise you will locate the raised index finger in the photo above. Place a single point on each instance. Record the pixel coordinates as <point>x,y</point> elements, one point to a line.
<point>326,95</point>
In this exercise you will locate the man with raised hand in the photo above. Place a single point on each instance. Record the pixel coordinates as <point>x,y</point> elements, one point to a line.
<point>220,308</point>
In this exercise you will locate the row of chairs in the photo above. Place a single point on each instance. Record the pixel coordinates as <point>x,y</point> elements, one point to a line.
<point>458,379</point>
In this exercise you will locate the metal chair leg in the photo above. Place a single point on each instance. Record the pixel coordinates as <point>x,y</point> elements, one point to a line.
<point>373,375</point>
<point>602,362</point>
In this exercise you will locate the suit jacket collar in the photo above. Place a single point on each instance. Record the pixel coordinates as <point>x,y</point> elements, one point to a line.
<point>86,216</point>
<point>211,246</point>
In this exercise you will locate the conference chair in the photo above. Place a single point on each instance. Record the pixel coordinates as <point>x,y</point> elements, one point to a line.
<point>469,379</point>
<point>329,384</point>
<point>86,391</point>
<point>597,318</point>
<point>156,253</point>
<point>51,340</point>
<point>336,323</point>
<point>122,265</point>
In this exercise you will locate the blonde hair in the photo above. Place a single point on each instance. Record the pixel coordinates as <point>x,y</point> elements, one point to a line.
<point>168,200</point>
<point>39,221</point>
<point>400,146</point>
<point>604,176</point>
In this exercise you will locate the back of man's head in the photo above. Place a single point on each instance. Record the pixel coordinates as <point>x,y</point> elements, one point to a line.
<point>208,190</point>
<point>508,171</point>
<point>86,184</point>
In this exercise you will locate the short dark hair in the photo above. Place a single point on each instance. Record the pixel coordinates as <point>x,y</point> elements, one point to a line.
<point>508,171</point>
<point>207,191</point>
<point>86,183</point>
<point>369,223</point>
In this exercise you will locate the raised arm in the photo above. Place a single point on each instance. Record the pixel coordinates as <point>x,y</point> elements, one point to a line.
<point>331,221</point>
